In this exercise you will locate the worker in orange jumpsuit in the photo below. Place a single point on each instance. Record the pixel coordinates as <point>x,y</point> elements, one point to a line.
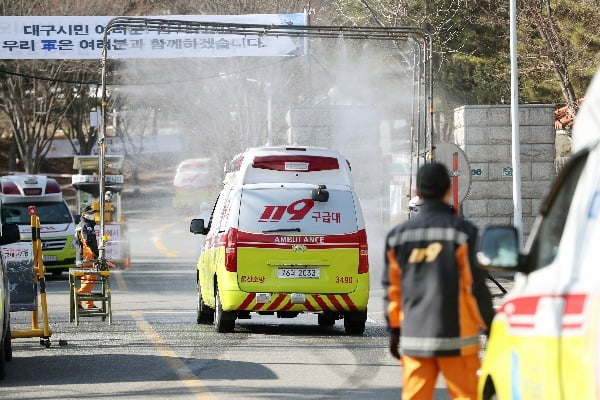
<point>437,300</point>
<point>87,249</point>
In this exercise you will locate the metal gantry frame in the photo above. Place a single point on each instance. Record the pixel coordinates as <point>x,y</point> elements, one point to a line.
<point>420,35</point>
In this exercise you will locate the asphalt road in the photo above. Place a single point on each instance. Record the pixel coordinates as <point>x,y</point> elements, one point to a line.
<point>155,350</point>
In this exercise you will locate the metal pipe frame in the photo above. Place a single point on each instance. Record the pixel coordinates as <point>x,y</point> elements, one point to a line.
<point>421,35</point>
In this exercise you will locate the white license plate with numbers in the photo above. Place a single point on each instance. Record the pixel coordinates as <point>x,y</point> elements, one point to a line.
<point>298,273</point>
<point>49,258</point>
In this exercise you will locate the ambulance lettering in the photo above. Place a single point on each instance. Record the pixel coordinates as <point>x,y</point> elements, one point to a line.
<point>252,279</point>
<point>300,239</point>
<point>298,210</point>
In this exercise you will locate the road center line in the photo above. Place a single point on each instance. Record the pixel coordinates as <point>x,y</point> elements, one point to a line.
<point>157,243</point>
<point>193,383</point>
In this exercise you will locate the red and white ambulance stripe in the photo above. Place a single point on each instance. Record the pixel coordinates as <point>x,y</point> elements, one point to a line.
<point>547,314</point>
<point>314,302</point>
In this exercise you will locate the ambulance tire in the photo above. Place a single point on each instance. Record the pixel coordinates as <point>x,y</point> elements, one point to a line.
<point>8,354</point>
<point>354,322</point>
<point>205,314</point>
<point>224,320</point>
<point>326,319</point>
<point>2,360</point>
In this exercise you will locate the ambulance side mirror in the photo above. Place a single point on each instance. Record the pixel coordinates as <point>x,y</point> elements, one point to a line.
<point>197,227</point>
<point>320,194</point>
<point>10,234</point>
<point>498,249</point>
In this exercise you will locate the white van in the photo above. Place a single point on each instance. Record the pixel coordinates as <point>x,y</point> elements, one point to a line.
<point>545,338</point>
<point>286,236</point>
<point>17,194</point>
<point>196,180</point>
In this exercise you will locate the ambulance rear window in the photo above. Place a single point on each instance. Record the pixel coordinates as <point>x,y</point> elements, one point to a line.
<point>299,163</point>
<point>292,211</point>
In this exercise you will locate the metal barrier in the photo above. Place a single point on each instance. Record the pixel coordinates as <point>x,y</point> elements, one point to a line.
<point>39,280</point>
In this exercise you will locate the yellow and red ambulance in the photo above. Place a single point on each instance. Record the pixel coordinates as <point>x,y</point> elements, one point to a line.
<point>286,236</point>
<point>544,340</point>
<point>18,193</point>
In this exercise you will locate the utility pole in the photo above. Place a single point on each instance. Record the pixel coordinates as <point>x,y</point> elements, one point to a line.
<point>514,118</point>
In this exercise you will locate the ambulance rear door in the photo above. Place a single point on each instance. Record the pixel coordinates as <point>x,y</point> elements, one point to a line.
<point>287,242</point>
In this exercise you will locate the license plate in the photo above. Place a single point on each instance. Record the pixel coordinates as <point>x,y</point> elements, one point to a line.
<point>49,258</point>
<point>298,273</point>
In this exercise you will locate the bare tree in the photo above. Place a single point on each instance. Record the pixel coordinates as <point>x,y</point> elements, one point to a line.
<point>545,38</point>
<point>34,107</point>
<point>83,96</point>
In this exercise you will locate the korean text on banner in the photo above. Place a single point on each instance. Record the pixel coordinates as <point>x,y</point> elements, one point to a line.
<point>81,37</point>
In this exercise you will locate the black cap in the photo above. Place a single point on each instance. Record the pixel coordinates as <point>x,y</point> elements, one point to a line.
<point>87,209</point>
<point>433,180</point>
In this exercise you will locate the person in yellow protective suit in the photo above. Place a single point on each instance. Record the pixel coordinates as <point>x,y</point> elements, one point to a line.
<point>87,249</point>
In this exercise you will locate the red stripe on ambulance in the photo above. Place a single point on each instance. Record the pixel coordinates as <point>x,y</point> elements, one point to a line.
<point>321,303</point>
<point>247,301</point>
<point>313,302</point>
<point>524,312</point>
<point>335,302</point>
<point>308,306</point>
<point>257,240</point>
<point>277,302</point>
<point>349,302</point>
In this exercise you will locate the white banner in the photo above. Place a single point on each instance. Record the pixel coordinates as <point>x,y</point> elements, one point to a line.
<point>115,145</point>
<point>115,248</point>
<point>80,37</point>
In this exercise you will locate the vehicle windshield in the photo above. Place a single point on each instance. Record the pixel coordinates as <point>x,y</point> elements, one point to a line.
<point>55,212</point>
<point>292,211</point>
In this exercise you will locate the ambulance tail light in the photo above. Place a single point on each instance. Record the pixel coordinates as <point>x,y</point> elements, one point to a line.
<point>9,187</point>
<point>52,186</point>
<point>231,250</point>
<point>363,252</point>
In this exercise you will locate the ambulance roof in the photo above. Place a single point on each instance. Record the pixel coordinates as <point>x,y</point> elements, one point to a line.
<point>286,164</point>
<point>586,129</point>
<point>17,188</point>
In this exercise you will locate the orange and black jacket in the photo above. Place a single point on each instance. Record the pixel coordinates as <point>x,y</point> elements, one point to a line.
<point>86,241</point>
<point>435,295</point>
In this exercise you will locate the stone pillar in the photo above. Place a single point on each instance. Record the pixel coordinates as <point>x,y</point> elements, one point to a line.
<point>484,133</point>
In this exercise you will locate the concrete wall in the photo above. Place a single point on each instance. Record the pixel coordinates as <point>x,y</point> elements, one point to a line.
<point>484,133</point>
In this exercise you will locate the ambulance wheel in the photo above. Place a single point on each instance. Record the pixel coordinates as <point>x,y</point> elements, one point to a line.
<point>224,320</point>
<point>204,314</point>
<point>2,360</point>
<point>8,355</point>
<point>354,322</point>
<point>326,319</point>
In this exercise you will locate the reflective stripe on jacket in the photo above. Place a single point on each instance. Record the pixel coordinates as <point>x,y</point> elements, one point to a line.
<point>434,291</point>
